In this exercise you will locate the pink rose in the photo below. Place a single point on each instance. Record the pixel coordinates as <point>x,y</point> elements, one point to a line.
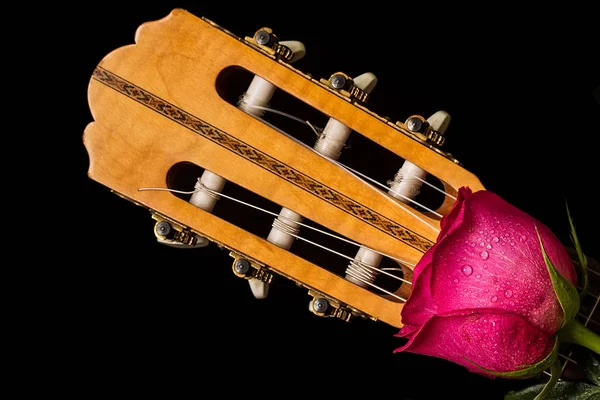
<point>482,294</point>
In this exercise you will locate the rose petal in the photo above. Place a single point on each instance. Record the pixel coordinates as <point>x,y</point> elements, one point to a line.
<point>454,217</point>
<point>419,306</point>
<point>493,259</point>
<point>494,341</point>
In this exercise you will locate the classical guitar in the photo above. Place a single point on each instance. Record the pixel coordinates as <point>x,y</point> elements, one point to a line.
<point>186,112</point>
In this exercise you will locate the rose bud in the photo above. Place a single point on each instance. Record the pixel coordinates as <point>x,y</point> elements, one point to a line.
<point>492,292</point>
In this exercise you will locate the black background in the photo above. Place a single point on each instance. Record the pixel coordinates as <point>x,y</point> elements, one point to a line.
<point>147,318</point>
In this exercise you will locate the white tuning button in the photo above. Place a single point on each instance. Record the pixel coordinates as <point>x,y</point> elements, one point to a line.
<point>334,136</point>
<point>408,180</point>
<point>366,81</point>
<point>253,101</point>
<point>297,48</point>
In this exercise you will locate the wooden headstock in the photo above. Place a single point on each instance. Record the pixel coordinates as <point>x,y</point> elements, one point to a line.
<point>162,105</point>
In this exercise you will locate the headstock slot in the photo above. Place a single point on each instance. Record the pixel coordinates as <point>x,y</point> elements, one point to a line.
<point>182,177</point>
<point>361,153</point>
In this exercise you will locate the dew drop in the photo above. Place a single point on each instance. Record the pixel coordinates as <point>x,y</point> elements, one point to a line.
<point>455,280</point>
<point>494,299</point>
<point>522,238</point>
<point>467,270</point>
<point>473,244</point>
<point>481,244</point>
<point>478,276</point>
<point>484,255</point>
<point>489,246</point>
<point>508,293</point>
<point>495,239</point>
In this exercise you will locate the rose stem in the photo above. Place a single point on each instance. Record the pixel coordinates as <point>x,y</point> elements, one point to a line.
<point>577,333</point>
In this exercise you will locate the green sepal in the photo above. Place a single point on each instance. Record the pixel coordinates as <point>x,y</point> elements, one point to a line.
<point>527,372</point>
<point>563,390</point>
<point>580,255</point>
<point>555,371</point>
<point>565,292</point>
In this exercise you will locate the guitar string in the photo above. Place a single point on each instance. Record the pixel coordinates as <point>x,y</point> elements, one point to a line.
<point>318,132</point>
<point>352,273</point>
<point>362,263</point>
<point>339,164</point>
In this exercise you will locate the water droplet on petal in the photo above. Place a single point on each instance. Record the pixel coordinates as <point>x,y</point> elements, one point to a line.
<point>522,238</point>
<point>489,246</point>
<point>495,239</point>
<point>484,255</point>
<point>481,244</point>
<point>478,276</point>
<point>473,244</point>
<point>508,293</point>
<point>494,299</point>
<point>455,280</point>
<point>467,270</point>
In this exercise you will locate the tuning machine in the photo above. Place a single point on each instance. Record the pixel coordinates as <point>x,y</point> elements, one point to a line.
<point>265,40</point>
<point>244,268</point>
<point>170,233</point>
<point>430,131</point>
<point>326,307</point>
<point>345,85</point>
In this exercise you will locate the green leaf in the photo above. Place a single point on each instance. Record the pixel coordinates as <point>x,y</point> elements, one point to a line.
<point>555,371</point>
<point>591,367</point>
<point>528,371</point>
<point>565,292</point>
<point>563,390</point>
<point>581,256</point>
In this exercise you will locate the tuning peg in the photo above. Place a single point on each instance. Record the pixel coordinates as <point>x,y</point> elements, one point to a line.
<point>366,81</point>
<point>297,48</point>
<point>260,290</point>
<point>439,121</point>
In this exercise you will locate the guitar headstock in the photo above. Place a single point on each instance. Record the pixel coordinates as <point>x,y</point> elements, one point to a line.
<point>186,119</point>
